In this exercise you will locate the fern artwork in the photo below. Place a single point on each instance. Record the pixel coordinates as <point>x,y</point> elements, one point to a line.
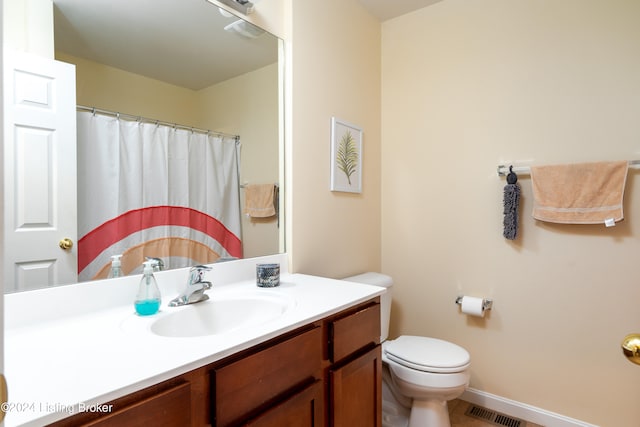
<point>348,156</point>
<point>346,168</point>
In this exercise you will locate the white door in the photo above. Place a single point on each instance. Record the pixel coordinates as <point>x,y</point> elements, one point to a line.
<point>39,172</point>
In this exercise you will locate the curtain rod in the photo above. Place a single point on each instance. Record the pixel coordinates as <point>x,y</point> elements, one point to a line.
<point>503,170</point>
<point>131,117</point>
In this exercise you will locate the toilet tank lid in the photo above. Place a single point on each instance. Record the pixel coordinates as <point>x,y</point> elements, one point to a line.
<point>372,278</point>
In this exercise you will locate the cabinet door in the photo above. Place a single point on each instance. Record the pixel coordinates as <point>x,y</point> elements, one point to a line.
<point>304,409</point>
<point>356,392</point>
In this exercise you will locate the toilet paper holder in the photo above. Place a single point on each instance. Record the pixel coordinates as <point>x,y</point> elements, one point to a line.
<point>486,303</point>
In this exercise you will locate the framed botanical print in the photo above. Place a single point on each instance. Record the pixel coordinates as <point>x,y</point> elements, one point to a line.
<point>346,156</point>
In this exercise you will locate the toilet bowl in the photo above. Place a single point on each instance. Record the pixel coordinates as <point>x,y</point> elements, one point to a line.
<point>430,372</point>
<point>420,374</point>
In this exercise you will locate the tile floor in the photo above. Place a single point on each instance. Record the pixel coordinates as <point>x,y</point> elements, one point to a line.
<point>458,407</point>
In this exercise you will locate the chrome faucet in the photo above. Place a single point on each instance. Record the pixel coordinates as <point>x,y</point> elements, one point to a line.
<point>156,263</point>
<point>195,289</point>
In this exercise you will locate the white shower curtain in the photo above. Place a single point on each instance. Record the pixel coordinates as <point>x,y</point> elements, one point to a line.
<point>149,190</point>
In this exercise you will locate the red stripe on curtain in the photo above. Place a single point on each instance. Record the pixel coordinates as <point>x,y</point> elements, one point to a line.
<point>114,230</point>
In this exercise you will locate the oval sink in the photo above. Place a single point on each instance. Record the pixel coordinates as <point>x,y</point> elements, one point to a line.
<point>220,315</point>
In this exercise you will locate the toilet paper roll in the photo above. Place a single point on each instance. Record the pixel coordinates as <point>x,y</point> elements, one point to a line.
<point>472,306</point>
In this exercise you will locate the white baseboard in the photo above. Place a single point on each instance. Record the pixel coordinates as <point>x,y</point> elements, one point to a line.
<point>520,410</point>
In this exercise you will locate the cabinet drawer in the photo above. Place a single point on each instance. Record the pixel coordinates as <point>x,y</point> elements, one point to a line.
<point>171,407</point>
<point>249,383</point>
<point>355,331</point>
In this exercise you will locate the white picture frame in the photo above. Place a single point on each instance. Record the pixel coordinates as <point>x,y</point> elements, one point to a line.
<point>346,156</point>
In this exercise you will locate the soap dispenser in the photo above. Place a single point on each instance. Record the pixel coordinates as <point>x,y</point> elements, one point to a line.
<point>148,298</point>
<point>116,270</point>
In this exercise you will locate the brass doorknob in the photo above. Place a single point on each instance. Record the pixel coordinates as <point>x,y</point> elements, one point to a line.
<point>4,396</point>
<point>631,347</point>
<point>65,243</point>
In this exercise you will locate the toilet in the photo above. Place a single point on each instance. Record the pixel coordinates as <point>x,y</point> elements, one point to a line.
<point>420,374</point>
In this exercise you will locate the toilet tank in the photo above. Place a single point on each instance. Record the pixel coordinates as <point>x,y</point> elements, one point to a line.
<point>382,280</point>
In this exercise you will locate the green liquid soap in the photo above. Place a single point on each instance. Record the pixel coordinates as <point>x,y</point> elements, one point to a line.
<point>147,307</point>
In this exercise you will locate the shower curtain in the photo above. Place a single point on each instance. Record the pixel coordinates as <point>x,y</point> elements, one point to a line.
<point>150,190</point>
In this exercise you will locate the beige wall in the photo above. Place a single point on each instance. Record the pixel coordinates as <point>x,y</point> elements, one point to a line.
<point>113,89</point>
<point>335,72</point>
<point>466,86</point>
<point>248,106</point>
<point>470,85</point>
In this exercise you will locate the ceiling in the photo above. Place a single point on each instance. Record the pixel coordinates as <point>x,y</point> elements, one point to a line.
<point>183,43</point>
<point>388,9</point>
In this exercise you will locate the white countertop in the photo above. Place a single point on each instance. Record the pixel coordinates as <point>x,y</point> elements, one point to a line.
<point>94,348</point>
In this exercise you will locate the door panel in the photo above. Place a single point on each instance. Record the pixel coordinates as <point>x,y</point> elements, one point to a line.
<point>39,172</point>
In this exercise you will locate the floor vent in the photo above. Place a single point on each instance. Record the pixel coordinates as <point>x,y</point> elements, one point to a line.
<point>493,417</point>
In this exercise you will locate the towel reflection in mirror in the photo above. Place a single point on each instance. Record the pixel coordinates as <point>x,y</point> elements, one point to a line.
<point>260,200</point>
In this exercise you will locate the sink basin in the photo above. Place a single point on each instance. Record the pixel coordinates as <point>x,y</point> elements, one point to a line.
<point>221,314</point>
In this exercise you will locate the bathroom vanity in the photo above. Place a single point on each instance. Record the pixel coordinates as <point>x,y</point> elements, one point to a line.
<point>329,369</point>
<point>318,362</point>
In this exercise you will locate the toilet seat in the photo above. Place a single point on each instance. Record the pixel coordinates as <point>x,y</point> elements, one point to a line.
<point>427,354</point>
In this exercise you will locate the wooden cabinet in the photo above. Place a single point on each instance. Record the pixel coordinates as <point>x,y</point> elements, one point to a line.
<point>166,404</point>
<point>324,374</point>
<point>256,382</point>
<point>353,331</point>
<point>171,407</point>
<point>356,392</point>
<point>304,408</point>
<point>330,375</point>
<point>355,375</point>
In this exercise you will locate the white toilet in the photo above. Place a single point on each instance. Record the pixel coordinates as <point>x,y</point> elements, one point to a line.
<point>420,374</point>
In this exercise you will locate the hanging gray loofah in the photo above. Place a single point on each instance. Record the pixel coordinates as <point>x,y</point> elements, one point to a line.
<point>511,202</point>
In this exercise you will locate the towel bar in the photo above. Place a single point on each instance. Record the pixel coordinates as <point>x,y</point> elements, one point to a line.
<point>503,170</point>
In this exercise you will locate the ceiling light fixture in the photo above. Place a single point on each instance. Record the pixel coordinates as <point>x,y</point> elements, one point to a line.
<point>242,6</point>
<point>225,13</point>
<point>245,29</point>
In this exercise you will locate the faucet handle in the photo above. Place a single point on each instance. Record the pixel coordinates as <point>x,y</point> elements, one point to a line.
<point>196,273</point>
<point>156,263</point>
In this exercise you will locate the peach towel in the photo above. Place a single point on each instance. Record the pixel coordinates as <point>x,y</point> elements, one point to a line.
<point>585,193</point>
<point>259,200</point>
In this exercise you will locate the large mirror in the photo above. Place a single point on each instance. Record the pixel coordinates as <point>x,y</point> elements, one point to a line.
<point>189,64</point>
